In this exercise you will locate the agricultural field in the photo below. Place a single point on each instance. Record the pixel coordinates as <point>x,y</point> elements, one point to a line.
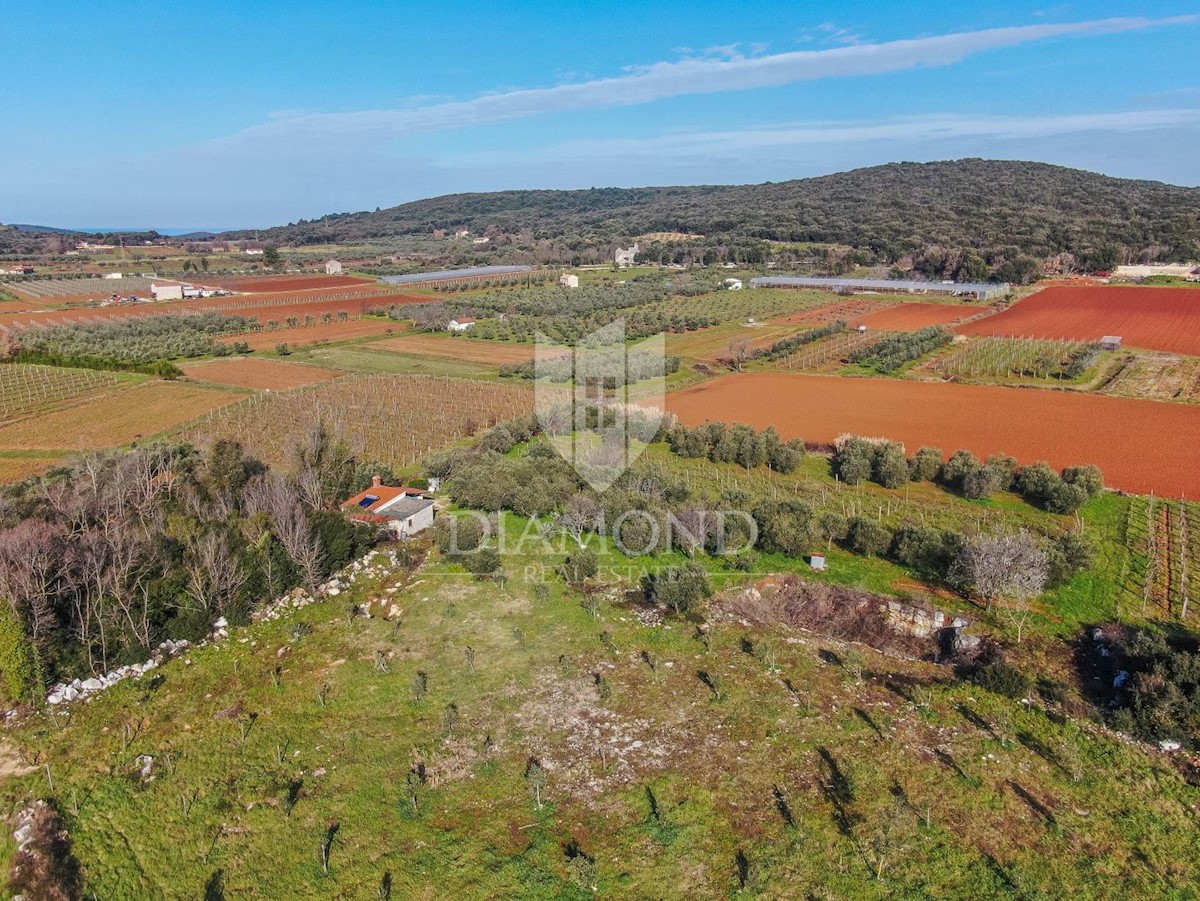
<point>831,353</point>
<point>17,466</point>
<point>710,344</point>
<point>302,335</point>
<point>851,311</point>
<point>60,289</point>
<point>391,419</point>
<point>258,374</point>
<point>1141,446</point>
<point>27,388</point>
<point>1166,319</point>
<point>471,350</point>
<point>110,419</point>
<point>1160,549</point>
<point>361,358</point>
<point>912,317</point>
<point>1157,377</point>
<point>258,284</point>
<point>1026,359</point>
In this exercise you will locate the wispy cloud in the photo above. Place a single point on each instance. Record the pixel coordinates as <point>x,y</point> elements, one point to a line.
<point>908,129</point>
<point>707,74</point>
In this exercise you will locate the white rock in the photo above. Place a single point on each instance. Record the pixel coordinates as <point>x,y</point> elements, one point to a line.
<point>221,623</point>
<point>92,684</point>
<point>1168,745</point>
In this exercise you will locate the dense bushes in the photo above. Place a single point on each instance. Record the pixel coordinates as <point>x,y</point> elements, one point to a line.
<point>739,444</point>
<point>857,459</point>
<point>894,351</point>
<point>679,587</point>
<point>1160,695</point>
<point>110,555</point>
<point>128,343</point>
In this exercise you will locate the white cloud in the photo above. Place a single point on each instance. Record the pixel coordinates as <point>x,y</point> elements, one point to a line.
<point>909,129</point>
<point>663,80</point>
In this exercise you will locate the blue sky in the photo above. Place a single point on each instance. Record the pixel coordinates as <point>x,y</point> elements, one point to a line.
<point>253,114</point>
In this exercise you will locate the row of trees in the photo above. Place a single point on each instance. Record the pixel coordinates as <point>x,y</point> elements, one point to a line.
<point>894,351</point>
<point>131,342</point>
<point>857,459</point>
<point>108,556</point>
<point>740,444</point>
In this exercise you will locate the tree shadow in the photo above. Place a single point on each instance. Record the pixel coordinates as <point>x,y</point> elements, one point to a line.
<point>976,720</point>
<point>838,790</point>
<point>829,657</point>
<point>947,760</point>
<point>214,889</point>
<point>1033,803</point>
<point>866,718</point>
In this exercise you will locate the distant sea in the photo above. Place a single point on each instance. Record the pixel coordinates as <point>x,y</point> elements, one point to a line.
<point>161,231</point>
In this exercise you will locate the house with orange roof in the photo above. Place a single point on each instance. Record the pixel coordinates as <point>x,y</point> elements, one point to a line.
<point>405,511</point>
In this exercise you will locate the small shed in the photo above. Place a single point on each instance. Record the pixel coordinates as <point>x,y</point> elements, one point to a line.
<point>1110,342</point>
<point>817,562</point>
<point>733,284</point>
<point>568,281</point>
<point>461,324</point>
<point>333,267</point>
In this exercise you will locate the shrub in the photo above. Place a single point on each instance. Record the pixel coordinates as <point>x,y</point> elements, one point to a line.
<point>979,484</point>
<point>889,467</point>
<point>458,534</point>
<point>1003,679</point>
<point>854,460</point>
<point>580,565</point>
<point>1069,554</point>
<point>784,527</point>
<point>1089,478</point>
<point>925,465</point>
<point>867,537</point>
<point>483,562</point>
<point>961,464</point>
<point>19,667</point>
<point>679,587</point>
<point>282,349</point>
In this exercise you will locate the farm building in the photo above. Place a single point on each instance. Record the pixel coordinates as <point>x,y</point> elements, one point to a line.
<point>733,284</point>
<point>625,256</point>
<point>333,267</point>
<point>475,275</point>
<point>405,511</point>
<point>568,281</point>
<point>1178,270</point>
<point>254,251</point>
<point>1110,342</point>
<point>977,290</point>
<point>166,292</point>
<point>461,323</point>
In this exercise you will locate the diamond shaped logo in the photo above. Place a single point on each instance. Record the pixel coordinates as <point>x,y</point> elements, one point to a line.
<point>601,400</point>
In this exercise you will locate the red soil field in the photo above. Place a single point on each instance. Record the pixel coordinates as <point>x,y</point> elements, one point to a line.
<point>850,310</point>
<point>270,375</point>
<point>1151,318</point>
<point>302,335</point>
<point>911,317</point>
<point>1142,446</point>
<point>256,284</point>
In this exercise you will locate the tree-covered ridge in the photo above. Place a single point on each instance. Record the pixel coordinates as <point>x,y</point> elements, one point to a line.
<point>891,210</point>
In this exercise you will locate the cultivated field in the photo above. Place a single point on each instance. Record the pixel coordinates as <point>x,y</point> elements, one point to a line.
<point>711,343</point>
<point>912,317</point>
<point>115,418</point>
<point>26,388</point>
<point>312,334</point>
<point>470,349</point>
<point>1165,319</point>
<point>1159,377</point>
<point>1142,446</point>
<point>1016,358</point>
<point>392,419</point>
<point>15,468</point>
<point>852,311</point>
<point>268,375</point>
<point>58,289</point>
<point>257,284</point>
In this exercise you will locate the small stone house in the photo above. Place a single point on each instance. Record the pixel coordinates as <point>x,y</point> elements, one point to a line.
<point>461,324</point>
<point>333,267</point>
<point>405,511</point>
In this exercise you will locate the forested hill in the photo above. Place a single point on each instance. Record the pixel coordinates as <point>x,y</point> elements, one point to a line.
<point>893,209</point>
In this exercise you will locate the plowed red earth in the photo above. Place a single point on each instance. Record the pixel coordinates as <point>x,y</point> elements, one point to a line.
<point>912,317</point>
<point>1151,318</point>
<point>1142,446</point>
<point>292,283</point>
